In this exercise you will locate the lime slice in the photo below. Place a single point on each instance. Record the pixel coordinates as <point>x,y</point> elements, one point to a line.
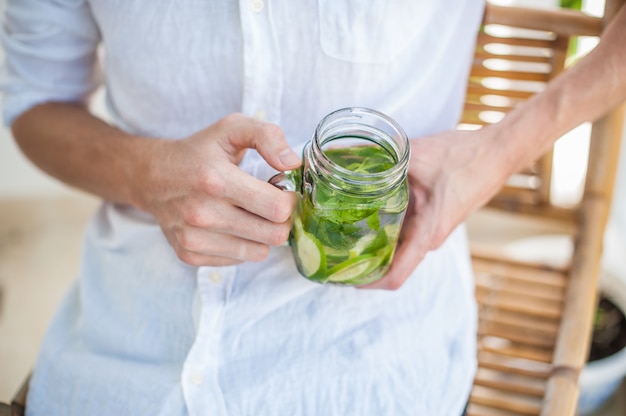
<point>353,269</point>
<point>309,251</point>
<point>334,256</point>
<point>392,231</point>
<point>369,244</point>
<point>335,252</point>
<point>361,245</point>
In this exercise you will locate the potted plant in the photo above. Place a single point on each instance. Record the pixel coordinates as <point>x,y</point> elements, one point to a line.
<point>606,367</point>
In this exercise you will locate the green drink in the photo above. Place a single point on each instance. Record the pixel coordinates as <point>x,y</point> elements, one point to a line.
<point>346,238</point>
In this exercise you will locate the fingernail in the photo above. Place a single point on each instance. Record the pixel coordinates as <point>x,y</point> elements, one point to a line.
<point>289,158</point>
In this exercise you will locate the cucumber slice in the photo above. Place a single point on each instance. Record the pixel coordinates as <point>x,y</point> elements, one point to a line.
<point>309,251</point>
<point>353,269</point>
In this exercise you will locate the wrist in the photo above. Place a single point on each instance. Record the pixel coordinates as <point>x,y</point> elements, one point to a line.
<point>491,149</point>
<point>143,157</point>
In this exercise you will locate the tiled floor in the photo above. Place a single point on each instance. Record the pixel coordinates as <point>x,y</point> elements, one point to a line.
<point>40,246</point>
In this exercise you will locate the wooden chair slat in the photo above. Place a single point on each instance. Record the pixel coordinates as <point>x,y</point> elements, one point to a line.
<point>523,195</point>
<point>475,409</point>
<point>482,55</point>
<point>543,355</point>
<point>527,338</point>
<point>503,317</point>
<point>472,120</point>
<point>489,273</point>
<point>563,21</point>
<point>505,401</point>
<point>475,87</point>
<point>497,380</point>
<point>567,214</point>
<point>519,366</point>
<point>484,107</point>
<point>511,303</point>
<point>524,287</point>
<point>543,46</point>
<point>482,72</point>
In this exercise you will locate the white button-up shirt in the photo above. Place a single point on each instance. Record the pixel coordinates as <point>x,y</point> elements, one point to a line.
<point>141,333</point>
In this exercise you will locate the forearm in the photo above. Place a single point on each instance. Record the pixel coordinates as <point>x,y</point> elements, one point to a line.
<point>584,92</point>
<point>72,145</point>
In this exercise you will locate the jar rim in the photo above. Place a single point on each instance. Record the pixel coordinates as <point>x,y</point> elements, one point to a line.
<point>362,119</point>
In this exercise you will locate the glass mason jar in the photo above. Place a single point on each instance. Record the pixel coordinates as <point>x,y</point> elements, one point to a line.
<point>353,195</point>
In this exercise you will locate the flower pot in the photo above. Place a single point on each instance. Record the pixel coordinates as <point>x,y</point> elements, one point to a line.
<point>601,378</point>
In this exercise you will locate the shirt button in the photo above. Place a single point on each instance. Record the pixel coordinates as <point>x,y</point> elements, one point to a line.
<point>257,6</point>
<point>260,115</point>
<point>215,277</point>
<point>196,378</point>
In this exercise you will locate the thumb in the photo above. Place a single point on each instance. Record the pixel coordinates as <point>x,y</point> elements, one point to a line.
<point>268,139</point>
<point>278,154</point>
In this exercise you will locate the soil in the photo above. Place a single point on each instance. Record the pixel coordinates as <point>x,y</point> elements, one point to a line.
<point>609,333</point>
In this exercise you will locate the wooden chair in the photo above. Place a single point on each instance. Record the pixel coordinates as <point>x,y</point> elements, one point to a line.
<point>535,319</point>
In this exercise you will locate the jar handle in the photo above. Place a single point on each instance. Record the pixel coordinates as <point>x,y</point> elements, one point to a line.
<point>283,181</point>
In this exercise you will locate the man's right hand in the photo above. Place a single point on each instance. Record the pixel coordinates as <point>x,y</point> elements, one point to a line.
<point>212,212</point>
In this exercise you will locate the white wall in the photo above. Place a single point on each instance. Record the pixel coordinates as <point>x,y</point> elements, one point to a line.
<point>20,179</point>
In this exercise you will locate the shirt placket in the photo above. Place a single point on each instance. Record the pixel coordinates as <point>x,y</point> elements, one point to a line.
<point>200,382</point>
<point>262,67</point>
<point>262,90</point>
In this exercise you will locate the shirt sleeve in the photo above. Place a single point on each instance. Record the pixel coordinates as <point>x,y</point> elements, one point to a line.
<point>51,49</point>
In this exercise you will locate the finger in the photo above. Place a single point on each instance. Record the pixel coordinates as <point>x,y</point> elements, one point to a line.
<point>199,247</point>
<point>228,219</point>
<point>268,139</point>
<point>258,197</point>
<point>260,230</point>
